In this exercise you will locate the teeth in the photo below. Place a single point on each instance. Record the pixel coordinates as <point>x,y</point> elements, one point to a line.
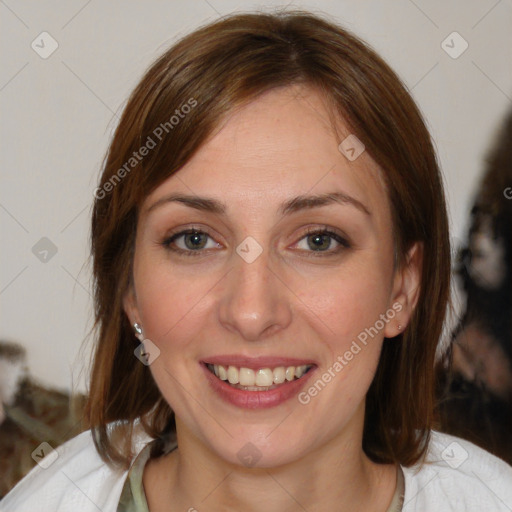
<point>279,375</point>
<point>256,380</point>
<point>245,377</point>
<point>264,377</point>
<point>221,372</point>
<point>232,375</point>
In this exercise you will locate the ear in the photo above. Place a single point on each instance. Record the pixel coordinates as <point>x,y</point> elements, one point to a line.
<point>406,290</point>
<point>130,306</point>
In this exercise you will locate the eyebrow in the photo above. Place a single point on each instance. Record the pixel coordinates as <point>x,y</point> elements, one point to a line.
<point>293,205</point>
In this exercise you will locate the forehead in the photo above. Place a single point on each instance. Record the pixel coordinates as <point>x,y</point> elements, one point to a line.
<point>280,145</point>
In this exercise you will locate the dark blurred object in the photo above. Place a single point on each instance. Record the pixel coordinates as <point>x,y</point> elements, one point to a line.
<point>476,401</point>
<point>29,415</point>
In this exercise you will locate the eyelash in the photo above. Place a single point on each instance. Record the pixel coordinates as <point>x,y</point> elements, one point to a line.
<point>343,242</point>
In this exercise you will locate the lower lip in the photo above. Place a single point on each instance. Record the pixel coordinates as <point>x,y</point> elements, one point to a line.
<point>256,399</point>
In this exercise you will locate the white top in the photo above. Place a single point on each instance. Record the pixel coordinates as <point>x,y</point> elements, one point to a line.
<point>458,476</point>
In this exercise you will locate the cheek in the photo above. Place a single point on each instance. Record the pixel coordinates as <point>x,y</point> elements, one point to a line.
<point>346,305</point>
<point>345,313</point>
<point>170,302</point>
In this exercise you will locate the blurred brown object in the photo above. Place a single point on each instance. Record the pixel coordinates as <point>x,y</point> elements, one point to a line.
<point>29,415</point>
<point>476,381</point>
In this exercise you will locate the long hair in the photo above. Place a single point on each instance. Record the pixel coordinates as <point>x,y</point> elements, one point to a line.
<point>214,70</point>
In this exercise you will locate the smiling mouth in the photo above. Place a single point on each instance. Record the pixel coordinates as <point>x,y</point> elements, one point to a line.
<point>262,379</point>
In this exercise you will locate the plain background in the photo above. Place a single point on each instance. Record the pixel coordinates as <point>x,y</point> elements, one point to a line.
<point>58,115</point>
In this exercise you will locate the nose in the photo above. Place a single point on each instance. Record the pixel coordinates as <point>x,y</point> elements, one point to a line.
<point>255,301</point>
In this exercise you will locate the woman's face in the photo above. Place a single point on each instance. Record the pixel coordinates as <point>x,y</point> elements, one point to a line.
<point>292,267</point>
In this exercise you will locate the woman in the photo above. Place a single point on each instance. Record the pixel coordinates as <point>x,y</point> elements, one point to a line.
<point>271,225</point>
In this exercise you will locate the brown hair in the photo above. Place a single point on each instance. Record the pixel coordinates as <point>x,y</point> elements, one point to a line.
<point>223,66</point>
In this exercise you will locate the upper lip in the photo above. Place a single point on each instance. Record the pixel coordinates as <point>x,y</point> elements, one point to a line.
<point>255,363</point>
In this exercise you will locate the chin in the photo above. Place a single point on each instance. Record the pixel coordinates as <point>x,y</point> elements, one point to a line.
<point>261,446</point>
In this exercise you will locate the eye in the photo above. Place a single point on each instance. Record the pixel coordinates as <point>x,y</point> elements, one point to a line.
<point>190,242</point>
<point>322,241</point>
<point>193,242</point>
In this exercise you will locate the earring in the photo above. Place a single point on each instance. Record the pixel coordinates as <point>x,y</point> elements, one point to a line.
<point>399,327</point>
<point>138,330</point>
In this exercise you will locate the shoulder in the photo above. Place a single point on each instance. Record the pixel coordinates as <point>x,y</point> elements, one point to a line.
<point>71,477</point>
<point>458,475</point>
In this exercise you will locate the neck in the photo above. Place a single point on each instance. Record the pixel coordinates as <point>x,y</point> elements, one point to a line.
<point>337,475</point>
